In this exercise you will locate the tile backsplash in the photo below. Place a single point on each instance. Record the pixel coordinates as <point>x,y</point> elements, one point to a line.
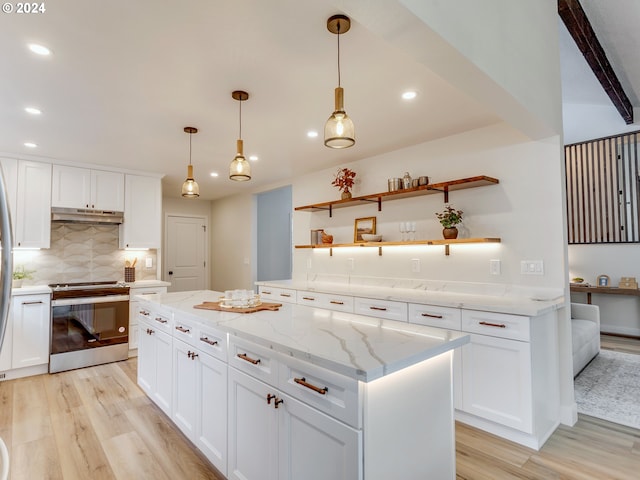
<point>82,253</point>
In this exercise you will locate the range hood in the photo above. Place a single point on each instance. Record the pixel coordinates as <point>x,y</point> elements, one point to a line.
<point>81,215</point>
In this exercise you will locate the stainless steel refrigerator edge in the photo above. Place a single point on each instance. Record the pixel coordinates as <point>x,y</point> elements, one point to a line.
<point>6,265</point>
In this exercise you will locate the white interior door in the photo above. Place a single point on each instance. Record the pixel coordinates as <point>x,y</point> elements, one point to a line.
<point>186,247</point>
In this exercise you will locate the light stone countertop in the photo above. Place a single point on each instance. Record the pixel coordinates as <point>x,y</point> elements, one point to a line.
<point>30,290</point>
<point>357,346</point>
<point>488,302</point>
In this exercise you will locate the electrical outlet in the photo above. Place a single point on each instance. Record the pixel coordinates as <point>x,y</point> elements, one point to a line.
<point>148,262</point>
<point>309,263</point>
<point>494,267</point>
<point>531,267</point>
<point>415,265</point>
<point>351,264</point>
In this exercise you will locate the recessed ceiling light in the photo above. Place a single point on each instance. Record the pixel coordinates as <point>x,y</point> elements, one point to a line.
<point>33,110</point>
<point>253,158</point>
<point>39,49</point>
<point>214,174</point>
<point>312,134</point>
<point>30,144</point>
<point>409,95</point>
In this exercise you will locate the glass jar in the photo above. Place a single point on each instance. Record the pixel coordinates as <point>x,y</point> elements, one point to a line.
<point>406,180</point>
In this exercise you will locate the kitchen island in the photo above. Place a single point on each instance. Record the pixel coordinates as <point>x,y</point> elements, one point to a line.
<point>308,393</point>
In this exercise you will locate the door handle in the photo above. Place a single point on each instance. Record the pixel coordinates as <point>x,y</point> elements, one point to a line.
<point>170,272</point>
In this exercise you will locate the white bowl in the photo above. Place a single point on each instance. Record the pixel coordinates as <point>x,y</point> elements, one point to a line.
<point>368,237</point>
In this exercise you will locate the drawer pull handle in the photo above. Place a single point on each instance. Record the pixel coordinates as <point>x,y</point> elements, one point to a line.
<point>336,302</point>
<point>161,320</point>
<point>210,342</point>
<point>499,325</point>
<point>32,303</point>
<point>144,312</point>
<point>277,402</point>
<point>383,309</point>
<point>285,294</point>
<point>246,358</point>
<point>309,298</point>
<point>431,316</point>
<point>191,355</point>
<point>303,381</point>
<point>150,332</point>
<point>182,329</point>
<point>269,398</point>
<point>265,292</point>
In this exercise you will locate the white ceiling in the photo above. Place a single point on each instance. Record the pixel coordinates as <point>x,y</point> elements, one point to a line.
<point>127,76</point>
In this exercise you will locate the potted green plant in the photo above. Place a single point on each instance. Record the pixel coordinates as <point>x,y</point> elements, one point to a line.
<point>449,218</point>
<point>19,274</point>
<point>344,180</point>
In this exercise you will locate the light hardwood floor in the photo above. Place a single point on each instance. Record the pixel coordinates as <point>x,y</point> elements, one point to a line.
<point>95,423</point>
<point>620,344</point>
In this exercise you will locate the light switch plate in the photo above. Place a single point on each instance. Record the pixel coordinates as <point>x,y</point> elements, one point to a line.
<point>415,265</point>
<point>148,262</point>
<point>494,267</point>
<point>531,267</point>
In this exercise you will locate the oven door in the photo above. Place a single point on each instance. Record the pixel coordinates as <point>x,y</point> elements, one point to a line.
<point>85,323</point>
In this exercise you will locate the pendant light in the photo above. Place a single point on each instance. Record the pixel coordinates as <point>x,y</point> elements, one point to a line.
<point>240,170</point>
<point>190,188</point>
<point>339,131</point>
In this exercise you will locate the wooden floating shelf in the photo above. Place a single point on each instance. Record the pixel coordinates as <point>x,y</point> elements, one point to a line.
<point>442,187</point>
<point>441,241</point>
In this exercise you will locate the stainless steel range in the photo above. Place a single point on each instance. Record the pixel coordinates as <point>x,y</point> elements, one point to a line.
<point>89,324</point>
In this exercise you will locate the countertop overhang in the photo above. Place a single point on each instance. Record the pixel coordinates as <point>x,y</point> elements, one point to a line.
<point>357,346</point>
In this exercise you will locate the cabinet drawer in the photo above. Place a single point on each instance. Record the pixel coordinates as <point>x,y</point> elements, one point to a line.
<point>256,360</point>
<point>434,316</point>
<point>329,392</point>
<point>213,342</point>
<point>502,325</point>
<point>185,331</point>
<point>386,309</point>
<point>329,301</point>
<point>271,294</point>
<point>160,320</point>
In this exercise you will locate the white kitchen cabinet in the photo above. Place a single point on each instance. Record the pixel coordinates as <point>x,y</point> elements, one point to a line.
<point>330,301</point>
<point>31,324</point>
<point>387,309</point>
<point>74,187</point>
<point>134,305</point>
<point>278,295</point>
<point>6,349</point>
<point>142,213</point>
<point>273,435</point>
<point>497,381</point>
<point>155,363</point>
<point>200,401</point>
<point>33,205</point>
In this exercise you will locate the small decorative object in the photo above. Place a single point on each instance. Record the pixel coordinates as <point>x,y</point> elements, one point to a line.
<point>316,236</point>
<point>326,238</point>
<point>363,225</point>
<point>344,180</point>
<point>406,181</point>
<point>577,280</point>
<point>394,184</point>
<point>130,270</point>
<point>603,280</point>
<point>628,282</point>
<point>19,274</point>
<point>423,181</point>
<point>370,237</point>
<point>449,218</point>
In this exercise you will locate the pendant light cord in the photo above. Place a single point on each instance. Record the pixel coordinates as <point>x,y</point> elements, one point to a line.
<point>190,134</point>
<point>338,27</point>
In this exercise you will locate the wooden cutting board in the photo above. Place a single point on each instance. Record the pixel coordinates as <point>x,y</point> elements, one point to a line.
<point>257,308</point>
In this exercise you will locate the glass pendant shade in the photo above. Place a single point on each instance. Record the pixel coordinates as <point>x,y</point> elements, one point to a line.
<point>190,188</point>
<point>240,169</point>
<point>339,131</point>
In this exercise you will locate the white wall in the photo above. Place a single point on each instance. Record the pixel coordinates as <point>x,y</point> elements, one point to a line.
<point>522,210</point>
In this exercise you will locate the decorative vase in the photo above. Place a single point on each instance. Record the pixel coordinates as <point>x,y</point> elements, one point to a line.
<point>450,233</point>
<point>346,195</point>
<point>17,283</point>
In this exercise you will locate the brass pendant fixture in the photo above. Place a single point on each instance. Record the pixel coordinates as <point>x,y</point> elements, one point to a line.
<point>339,131</point>
<point>240,169</point>
<point>190,188</point>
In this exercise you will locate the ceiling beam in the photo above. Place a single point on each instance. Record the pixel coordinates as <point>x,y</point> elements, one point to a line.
<point>580,29</point>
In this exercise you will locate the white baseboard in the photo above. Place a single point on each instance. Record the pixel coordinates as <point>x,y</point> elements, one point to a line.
<point>604,328</point>
<point>25,372</point>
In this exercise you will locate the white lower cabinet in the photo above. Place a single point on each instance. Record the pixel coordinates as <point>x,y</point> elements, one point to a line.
<point>200,401</point>
<point>30,318</point>
<point>134,304</point>
<point>497,381</point>
<point>274,436</point>
<point>155,364</point>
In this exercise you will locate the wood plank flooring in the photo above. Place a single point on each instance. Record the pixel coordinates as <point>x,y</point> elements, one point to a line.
<point>620,344</point>
<point>95,423</point>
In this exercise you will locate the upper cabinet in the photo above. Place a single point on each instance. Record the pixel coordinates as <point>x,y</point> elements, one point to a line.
<point>74,187</point>
<point>32,222</point>
<point>142,224</point>
<point>10,174</point>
